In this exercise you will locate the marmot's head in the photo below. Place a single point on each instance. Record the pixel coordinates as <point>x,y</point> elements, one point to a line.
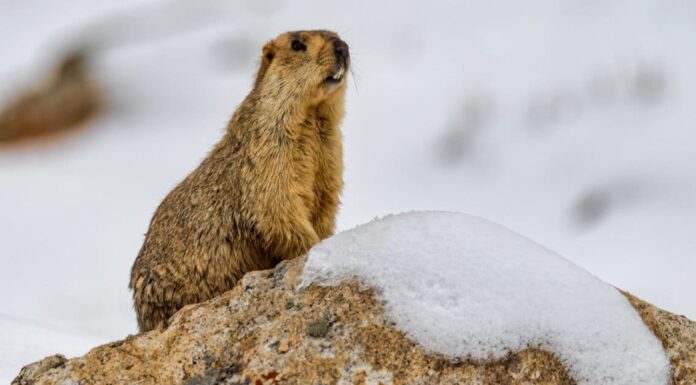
<point>310,64</point>
<point>73,65</point>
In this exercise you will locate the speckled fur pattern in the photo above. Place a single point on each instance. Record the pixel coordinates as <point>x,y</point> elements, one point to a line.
<point>268,191</point>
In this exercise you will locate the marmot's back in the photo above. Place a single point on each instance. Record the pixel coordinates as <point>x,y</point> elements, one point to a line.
<point>268,191</point>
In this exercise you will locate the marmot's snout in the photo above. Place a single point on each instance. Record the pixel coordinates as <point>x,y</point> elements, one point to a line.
<point>342,54</point>
<point>341,51</point>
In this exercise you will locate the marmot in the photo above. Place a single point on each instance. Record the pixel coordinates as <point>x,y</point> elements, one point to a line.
<point>268,191</point>
<point>69,98</point>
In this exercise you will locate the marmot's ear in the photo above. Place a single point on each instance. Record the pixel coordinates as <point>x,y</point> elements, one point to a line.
<point>268,52</point>
<point>267,56</point>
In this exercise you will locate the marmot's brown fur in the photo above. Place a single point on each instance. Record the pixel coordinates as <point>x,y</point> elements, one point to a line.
<point>66,100</point>
<point>268,191</point>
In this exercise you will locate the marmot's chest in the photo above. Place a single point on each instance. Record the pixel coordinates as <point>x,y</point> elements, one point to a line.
<point>310,155</point>
<point>309,146</point>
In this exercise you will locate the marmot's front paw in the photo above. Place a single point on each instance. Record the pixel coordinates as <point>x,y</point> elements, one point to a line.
<point>302,239</point>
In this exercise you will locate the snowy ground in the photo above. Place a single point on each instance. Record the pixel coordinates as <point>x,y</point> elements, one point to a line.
<point>571,122</point>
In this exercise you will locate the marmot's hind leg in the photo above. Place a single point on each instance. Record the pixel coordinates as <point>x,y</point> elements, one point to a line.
<point>153,316</point>
<point>153,306</point>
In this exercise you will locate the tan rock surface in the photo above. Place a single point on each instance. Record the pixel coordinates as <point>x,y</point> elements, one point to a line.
<point>265,332</point>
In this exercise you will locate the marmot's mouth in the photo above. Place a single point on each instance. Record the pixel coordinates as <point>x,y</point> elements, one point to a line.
<point>337,76</point>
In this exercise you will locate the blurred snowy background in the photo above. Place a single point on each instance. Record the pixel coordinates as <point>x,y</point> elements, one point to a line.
<point>571,122</point>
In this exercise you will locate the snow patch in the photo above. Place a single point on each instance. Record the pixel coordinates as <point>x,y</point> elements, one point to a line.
<point>465,287</point>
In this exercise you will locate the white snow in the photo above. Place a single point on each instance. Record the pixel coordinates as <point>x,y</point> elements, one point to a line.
<point>465,287</point>
<point>570,121</point>
<point>23,341</point>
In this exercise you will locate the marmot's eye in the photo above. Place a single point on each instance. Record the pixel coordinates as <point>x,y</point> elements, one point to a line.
<point>298,46</point>
<point>269,56</point>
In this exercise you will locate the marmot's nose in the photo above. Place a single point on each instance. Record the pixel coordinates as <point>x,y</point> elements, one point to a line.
<point>341,51</point>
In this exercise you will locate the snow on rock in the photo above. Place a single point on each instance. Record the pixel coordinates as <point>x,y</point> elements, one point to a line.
<point>465,287</point>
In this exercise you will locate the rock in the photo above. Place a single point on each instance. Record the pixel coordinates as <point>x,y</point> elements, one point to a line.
<point>678,336</point>
<point>29,372</point>
<point>266,332</point>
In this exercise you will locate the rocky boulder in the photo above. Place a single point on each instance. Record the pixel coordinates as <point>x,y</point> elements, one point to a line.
<point>266,331</point>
